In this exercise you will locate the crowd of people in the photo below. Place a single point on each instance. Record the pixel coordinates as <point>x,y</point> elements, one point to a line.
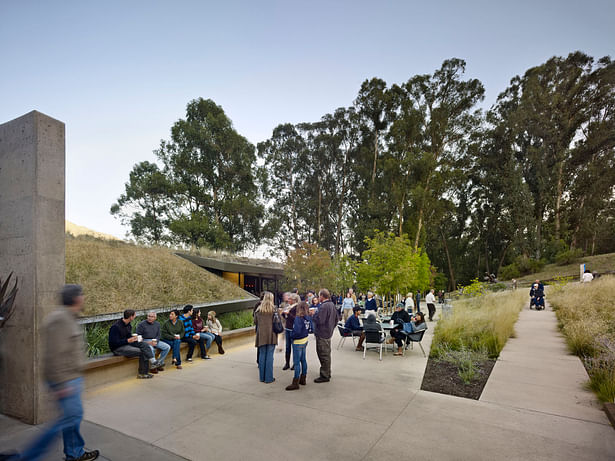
<point>319,314</point>
<point>315,313</point>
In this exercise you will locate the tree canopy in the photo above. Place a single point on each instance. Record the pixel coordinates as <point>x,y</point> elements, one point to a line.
<point>513,187</point>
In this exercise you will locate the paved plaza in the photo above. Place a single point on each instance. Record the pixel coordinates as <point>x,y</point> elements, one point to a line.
<point>534,407</point>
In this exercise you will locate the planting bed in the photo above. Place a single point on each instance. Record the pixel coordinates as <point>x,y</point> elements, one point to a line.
<point>443,377</point>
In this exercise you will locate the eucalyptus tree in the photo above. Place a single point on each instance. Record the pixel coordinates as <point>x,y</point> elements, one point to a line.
<point>334,144</point>
<point>447,107</point>
<point>557,112</point>
<point>212,169</point>
<point>286,159</point>
<point>145,203</point>
<point>592,163</point>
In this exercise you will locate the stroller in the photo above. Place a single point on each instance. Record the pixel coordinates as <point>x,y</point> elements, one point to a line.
<point>537,296</point>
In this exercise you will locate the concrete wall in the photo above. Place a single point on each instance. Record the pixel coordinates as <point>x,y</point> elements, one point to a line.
<point>31,245</point>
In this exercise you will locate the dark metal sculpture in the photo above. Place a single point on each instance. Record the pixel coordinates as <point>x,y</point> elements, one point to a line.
<point>7,299</point>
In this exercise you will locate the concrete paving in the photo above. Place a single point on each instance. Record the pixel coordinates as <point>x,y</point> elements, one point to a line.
<point>532,408</point>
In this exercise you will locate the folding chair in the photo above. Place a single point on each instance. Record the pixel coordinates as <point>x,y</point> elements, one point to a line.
<point>344,333</point>
<point>374,337</point>
<point>415,337</point>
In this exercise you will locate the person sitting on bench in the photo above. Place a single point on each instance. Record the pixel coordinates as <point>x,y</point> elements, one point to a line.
<point>123,342</point>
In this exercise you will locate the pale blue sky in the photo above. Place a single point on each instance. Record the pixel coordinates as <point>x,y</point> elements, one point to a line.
<point>120,73</point>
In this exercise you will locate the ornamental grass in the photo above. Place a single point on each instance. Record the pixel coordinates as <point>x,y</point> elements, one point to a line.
<point>480,324</point>
<point>586,315</point>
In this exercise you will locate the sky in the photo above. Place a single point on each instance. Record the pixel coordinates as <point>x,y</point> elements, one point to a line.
<point>120,73</point>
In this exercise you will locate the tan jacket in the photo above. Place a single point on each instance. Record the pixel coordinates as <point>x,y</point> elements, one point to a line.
<point>214,327</point>
<point>64,347</point>
<point>264,329</point>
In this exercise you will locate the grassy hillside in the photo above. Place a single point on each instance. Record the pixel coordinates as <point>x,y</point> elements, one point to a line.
<point>598,263</point>
<point>76,230</point>
<point>116,275</point>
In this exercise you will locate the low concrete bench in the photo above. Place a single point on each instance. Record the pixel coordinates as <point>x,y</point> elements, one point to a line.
<point>111,368</point>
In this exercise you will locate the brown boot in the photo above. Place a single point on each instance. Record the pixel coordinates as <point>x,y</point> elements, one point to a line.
<point>294,385</point>
<point>399,351</point>
<point>360,344</point>
<point>302,379</point>
<point>220,350</point>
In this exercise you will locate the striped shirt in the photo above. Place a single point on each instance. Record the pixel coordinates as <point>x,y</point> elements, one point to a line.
<point>188,329</point>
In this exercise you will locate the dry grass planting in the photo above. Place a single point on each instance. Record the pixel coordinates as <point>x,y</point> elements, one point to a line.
<point>480,324</point>
<point>117,276</point>
<point>586,313</point>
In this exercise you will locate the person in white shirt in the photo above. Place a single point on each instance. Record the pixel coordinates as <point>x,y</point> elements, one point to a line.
<point>587,276</point>
<point>430,299</point>
<point>409,303</point>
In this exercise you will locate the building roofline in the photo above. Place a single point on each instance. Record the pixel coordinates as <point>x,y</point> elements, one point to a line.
<point>227,266</point>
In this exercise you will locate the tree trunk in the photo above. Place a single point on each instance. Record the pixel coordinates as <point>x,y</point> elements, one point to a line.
<point>487,257</point>
<point>401,213</point>
<point>375,157</point>
<point>452,281</point>
<point>216,211</point>
<point>478,266</point>
<point>558,199</point>
<point>340,207</point>
<point>502,258</point>
<point>539,235</point>
<point>421,211</point>
<point>293,212</point>
<point>575,235</point>
<point>319,213</point>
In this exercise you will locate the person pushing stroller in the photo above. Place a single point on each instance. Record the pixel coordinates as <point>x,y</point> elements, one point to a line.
<point>537,296</point>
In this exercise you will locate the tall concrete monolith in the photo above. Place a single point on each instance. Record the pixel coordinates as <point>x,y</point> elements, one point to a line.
<point>32,246</point>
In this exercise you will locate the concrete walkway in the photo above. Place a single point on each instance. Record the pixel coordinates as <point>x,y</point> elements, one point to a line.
<point>533,408</point>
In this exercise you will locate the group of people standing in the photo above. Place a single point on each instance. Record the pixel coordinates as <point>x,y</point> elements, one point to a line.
<point>315,314</point>
<point>320,315</point>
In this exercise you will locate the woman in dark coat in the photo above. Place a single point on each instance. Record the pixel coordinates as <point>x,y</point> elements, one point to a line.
<point>399,317</point>
<point>266,339</point>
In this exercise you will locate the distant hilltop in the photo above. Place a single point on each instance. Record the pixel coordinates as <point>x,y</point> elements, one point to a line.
<point>76,230</point>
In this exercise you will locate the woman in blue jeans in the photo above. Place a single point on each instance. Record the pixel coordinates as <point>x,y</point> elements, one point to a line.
<point>266,339</point>
<point>301,329</point>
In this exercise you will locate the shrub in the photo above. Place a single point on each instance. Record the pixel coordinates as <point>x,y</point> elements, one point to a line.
<point>236,320</point>
<point>559,283</point>
<point>509,272</point>
<point>475,288</point>
<point>552,248</point>
<point>497,287</point>
<point>568,256</point>
<point>528,265</point>
<point>97,338</point>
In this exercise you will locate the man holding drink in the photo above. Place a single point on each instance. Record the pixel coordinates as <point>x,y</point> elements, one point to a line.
<point>123,342</point>
<point>150,330</point>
